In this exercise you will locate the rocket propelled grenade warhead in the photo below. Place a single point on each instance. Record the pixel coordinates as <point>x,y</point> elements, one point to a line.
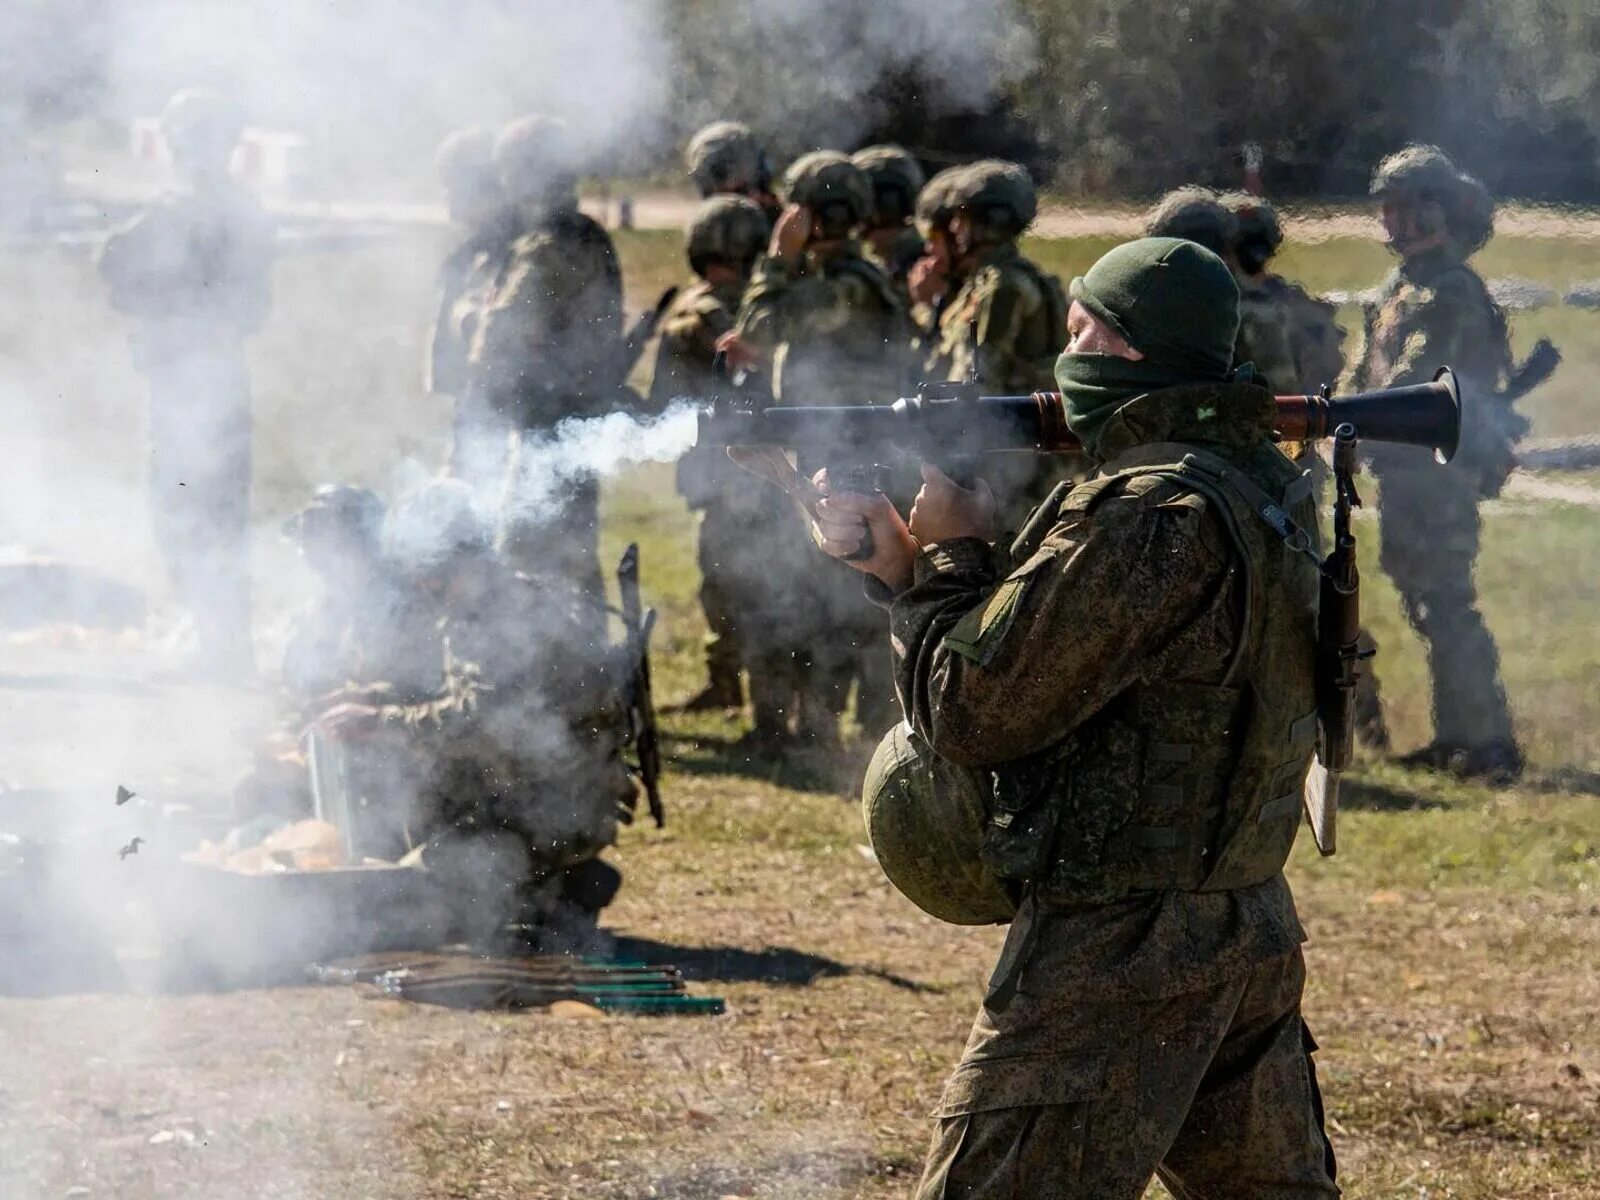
<point>956,421</point>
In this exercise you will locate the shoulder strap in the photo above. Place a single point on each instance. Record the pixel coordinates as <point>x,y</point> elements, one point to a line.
<point>1229,489</point>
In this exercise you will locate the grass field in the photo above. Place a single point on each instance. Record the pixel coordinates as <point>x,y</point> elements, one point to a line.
<point>1453,939</point>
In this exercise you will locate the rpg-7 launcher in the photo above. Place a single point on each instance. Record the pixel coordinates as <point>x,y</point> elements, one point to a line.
<point>954,425</point>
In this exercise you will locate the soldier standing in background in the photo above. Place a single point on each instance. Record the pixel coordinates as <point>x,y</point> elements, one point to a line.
<point>890,239</point>
<point>724,159</point>
<point>742,519</point>
<point>1435,311</point>
<point>827,327</point>
<point>1199,215</point>
<point>1006,322</point>
<point>1315,338</point>
<point>479,212</point>
<point>548,344</point>
<point>193,272</point>
<point>937,274</point>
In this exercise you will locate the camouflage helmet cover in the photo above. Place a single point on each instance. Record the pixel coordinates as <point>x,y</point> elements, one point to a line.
<point>937,203</point>
<point>1196,214</point>
<point>826,178</point>
<point>1426,173</point>
<point>732,228</point>
<point>537,159</point>
<point>925,820</point>
<point>201,121</point>
<point>725,157</point>
<point>995,186</point>
<point>895,177</point>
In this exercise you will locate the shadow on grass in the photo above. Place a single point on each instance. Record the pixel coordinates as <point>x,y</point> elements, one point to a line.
<point>773,964</point>
<point>1370,795</point>
<point>802,769</point>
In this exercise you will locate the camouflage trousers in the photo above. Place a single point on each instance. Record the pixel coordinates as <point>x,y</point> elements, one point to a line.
<point>1213,1090</point>
<point>1429,547</point>
<point>720,553</point>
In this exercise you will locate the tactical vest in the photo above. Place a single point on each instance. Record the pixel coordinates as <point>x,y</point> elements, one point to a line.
<point>1183,786</point>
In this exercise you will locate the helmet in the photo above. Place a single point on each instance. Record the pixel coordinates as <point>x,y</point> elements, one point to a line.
<point>1425,173</point>
<point>925,823</point>
<point>725,157</point>
<point>896,178</point>
<point>999,196</point>
<point>536,157</point>
<point>435,525</point>
<point>728,228</point>
<point>1259,234</point>
<point>937,202</point>
<point>1195,214</point>
<point>200,123</point>
<point>465,156</point>
<point>832,187</point>
<point>355,509</point>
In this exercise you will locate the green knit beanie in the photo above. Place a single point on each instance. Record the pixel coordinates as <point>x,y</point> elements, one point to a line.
<point>1172,300</point>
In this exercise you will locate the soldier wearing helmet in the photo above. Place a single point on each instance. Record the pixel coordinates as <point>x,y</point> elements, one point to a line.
<point>1435,311</point>
<point>1316,340</point>
<point>741,518</point>
<point>338,538</point>
<point>507,765</point>
<point>890,238</point>
<point>1006,319</point>
<point>724,159</point>
<point>827,327</point>
<point>484,224</point>
<point>193,275</point>
<point>935,275</point>
<point>1200,215</point>
<point>547,345</point>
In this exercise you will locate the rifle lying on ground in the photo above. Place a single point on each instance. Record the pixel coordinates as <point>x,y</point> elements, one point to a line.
<point>952,426</point>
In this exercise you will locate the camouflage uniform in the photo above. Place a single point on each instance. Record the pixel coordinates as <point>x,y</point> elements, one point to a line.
<point>479,438</point>
<point>742,517</point>
<point>1010,312</point>
<point>1435,311</point>
<point>194,273</point>
<point>1315,339</point>
<point>1057,1093</point>
<point>1135,681</point>
<point>838,335</point>
<point>548,344</point>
